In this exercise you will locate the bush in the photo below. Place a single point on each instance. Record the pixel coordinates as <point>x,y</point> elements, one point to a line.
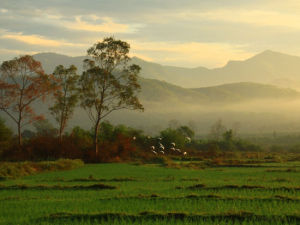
<point>18,169</point>
<point>5,136</point>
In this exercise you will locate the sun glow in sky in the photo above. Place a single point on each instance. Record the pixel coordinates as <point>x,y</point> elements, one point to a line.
<point>187,33</point>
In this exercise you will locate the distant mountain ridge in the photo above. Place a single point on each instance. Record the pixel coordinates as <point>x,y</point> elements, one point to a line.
<point>160,91</point>
<point>230,95</point>
<point>155,89</point>
<point>268,67</point>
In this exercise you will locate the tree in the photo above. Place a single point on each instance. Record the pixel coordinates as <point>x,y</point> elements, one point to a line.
<point>228,135</point>
<point>23,82</point>
<point>186,131</point>
<point>217,130</point>
<point>44,128</point>
<point>170,135</point>
<point>108,82</point>
<point>5,135</point>
<point>66,97</point>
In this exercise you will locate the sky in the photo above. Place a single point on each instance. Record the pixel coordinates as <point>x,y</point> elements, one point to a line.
<point>187,33</point>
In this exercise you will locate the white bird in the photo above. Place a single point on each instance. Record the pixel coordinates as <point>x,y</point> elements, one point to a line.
<point>154,152</point>
<point>178,150</point>
<point>173,144</point>
<point>162,147</point>
<point>134,138</point>
<point>162,152</point>
<point>185,153</point>
<point>152,147</point>
<point>159,138</point>
<point>188,139</point>
<point>172,148</point>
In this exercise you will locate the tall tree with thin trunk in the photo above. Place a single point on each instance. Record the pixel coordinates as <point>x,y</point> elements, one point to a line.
<point>108,82</point>
<point>23,82</point>
<point>66,97</point>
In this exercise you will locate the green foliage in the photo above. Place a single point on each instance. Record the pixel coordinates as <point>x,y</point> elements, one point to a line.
<point>108,82</point>
<point>106,131</point>
<point>28,134</point>
<point>186,131</point>
<point>5,135</point>
<point>23,82</point>
<point>66,98</point>
<point>83,137</point>
<point>217,130</point>
<point>44,128</point>
<point>19,169</point>
<point>154,195</point>
<point>170,135</point>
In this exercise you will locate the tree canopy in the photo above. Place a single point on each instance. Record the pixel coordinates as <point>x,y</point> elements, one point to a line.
<point>108,82</point>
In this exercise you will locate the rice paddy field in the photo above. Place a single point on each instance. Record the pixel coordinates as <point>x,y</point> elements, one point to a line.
<point>150,194</point>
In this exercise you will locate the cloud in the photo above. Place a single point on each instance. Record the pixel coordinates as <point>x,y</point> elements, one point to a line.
<point>16,52</point>
<point>254,17</point>
<point>36,39</point>
<point>7,54</point>
<point>190,53</point>
<point>90,23</point>
<point>2,10</point>
<point>107,26</point>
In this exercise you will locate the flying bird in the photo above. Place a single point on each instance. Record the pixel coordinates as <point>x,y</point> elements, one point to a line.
<point>161,146</point>
<point>178,150</point>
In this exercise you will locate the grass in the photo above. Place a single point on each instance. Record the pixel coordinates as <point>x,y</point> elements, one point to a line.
<point>10,170</point>
<point>151,194</point>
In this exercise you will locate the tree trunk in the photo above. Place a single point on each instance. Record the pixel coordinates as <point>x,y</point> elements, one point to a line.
<point>96,137</point>
<point>61,126</point>
<point>61,130</point>
<point>19,135</point>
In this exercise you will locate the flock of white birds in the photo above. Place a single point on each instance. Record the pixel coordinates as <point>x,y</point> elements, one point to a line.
<point>161,148</point>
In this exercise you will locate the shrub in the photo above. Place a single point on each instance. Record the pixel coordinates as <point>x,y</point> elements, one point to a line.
<point>18,169</point>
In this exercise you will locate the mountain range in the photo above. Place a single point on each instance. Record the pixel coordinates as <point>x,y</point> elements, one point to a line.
<point>268,67</point>
<point>237,81</point>
<point>241,91</point>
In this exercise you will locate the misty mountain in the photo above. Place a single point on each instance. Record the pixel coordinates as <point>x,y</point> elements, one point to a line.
<point>160,91</point>
<point>51,60</point>
<point>156,90</point>
<point>256,106</point>
<point>268,67</point>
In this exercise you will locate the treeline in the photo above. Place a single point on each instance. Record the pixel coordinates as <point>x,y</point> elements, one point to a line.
<point>116,143</point>
<point>108,83</point>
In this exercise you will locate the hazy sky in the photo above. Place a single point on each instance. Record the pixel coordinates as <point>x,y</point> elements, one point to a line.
<point>186,33</point>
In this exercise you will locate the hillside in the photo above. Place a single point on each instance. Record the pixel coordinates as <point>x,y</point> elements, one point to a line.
<point>170,90</point>
<point>257,106</point>
<point>160,91</point>
<point>267,67</point>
